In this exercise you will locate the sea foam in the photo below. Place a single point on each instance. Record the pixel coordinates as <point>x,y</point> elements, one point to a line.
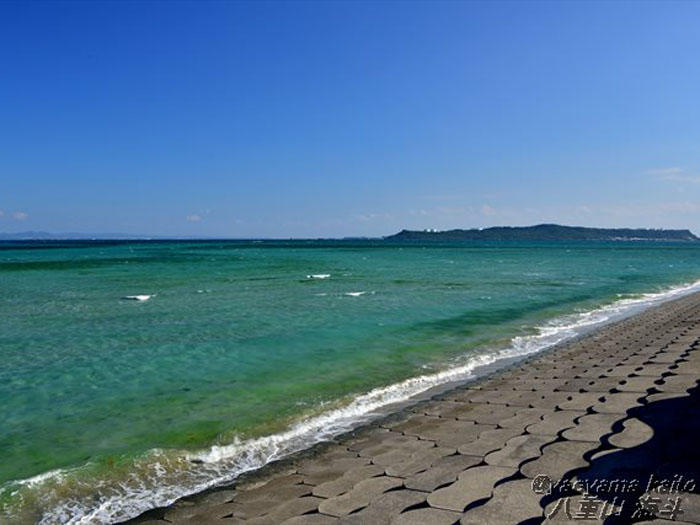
<point>141,297</point>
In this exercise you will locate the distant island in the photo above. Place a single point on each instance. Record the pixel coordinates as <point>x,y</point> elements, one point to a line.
<point>545,232</point>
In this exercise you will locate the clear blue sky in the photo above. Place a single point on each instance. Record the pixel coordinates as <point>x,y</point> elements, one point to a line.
<point>360,118</point>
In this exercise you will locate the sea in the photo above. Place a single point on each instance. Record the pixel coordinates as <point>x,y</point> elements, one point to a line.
<point>134,373</point>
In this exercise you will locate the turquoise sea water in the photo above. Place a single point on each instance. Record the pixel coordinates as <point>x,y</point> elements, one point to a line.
<point>112,406</point>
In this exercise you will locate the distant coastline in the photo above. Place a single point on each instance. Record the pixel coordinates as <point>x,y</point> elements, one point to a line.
<point>545,232</point>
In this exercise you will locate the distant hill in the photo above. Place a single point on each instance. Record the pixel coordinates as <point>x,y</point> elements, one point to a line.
<point>545,232</point>
<point>45,236</point>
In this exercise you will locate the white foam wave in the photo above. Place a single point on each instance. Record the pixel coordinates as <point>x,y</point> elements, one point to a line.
<point>223,463</point>
<point>140,297</point>
<point>318,276</point>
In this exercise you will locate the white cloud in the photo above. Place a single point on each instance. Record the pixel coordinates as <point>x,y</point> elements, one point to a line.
<point>679,207</point>
<point>364,217</point>
<point>20,216</point>
<point>672,170</point>
<point>194,218</point>
<point>674,174</point>
<point>659,209</point>
<point>488,210</point>
<point>682,178</point>
<point>453,210</point>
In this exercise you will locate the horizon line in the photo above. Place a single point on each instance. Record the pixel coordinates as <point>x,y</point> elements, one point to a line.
<point>41,235</point>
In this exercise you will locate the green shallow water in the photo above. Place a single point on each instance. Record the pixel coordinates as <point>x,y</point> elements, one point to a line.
<point>237,342</point>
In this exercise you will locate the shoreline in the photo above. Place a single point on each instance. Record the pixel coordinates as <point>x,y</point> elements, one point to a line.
<point>406,410</point>
<point>203,469</point>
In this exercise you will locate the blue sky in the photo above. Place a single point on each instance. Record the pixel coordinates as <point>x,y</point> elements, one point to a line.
<point>333,119</point>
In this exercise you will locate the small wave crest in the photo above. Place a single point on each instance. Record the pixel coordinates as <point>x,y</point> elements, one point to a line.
<point>140,297</point>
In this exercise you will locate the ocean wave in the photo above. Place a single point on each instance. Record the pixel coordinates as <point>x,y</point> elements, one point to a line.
<point>140,297</point>
<point>161,477</point>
